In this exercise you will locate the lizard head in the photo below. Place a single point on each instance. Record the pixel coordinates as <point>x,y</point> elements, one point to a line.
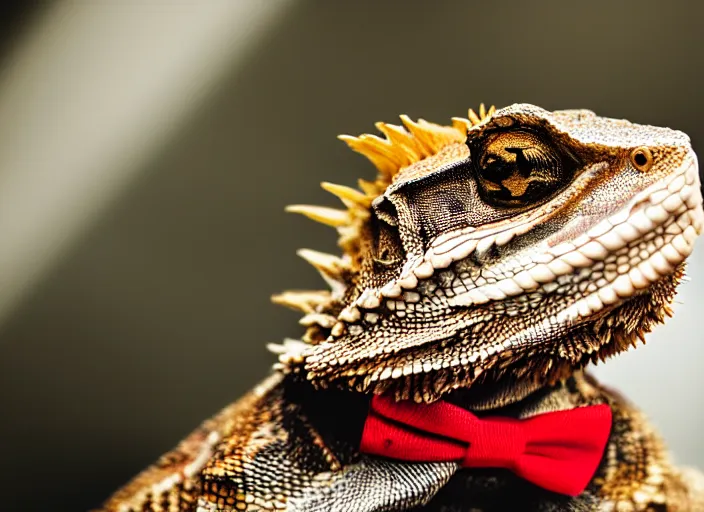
<point>515,245</point>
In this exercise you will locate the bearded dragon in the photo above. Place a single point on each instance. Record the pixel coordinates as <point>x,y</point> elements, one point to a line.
<point>486,265</point>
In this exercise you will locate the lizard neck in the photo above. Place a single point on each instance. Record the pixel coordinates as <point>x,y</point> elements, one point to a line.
<point>494,396</point>
<point>519,398</point>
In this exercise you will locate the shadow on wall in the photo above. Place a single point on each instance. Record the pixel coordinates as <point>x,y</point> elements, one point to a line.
<point>158,315</point>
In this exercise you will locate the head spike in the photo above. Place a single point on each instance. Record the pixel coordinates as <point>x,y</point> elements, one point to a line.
<point>382,146</point>
<point>321,319</point>
<point>304,301</point>
<point>350,197</point>
<point>327,264</point>
<point>461,124</point>
<point>330,267</point>
<point>432,137</point>
<point>322,214</point>
<point>370,188</point>
<point>363,146</point>
<point>289,352</point>
<point>484,114</point>
<point>402,140</point>
<point>425,142</point>
<point>473,117</point>
<point>410,143</point>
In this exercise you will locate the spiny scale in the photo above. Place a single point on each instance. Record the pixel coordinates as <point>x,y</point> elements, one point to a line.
<point>323,214</point>
<point>473,119</point>
<point>327,264</point>
<point>350,197</point>
<point>305,301</point>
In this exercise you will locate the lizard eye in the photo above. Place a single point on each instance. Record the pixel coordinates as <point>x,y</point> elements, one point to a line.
<point>517,168</point>
<point>642,159</point>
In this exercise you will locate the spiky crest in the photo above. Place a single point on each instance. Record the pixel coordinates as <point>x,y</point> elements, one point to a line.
<point>400,147</point>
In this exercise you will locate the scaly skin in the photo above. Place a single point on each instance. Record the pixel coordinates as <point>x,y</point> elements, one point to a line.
<point>487,264</point>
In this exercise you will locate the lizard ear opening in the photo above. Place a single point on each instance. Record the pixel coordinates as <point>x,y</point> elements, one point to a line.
<point>385,210</point>
<point>388,248</point>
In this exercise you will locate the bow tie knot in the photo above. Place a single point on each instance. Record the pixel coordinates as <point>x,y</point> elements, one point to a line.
<point>503,442</point>
<point>559,451</point>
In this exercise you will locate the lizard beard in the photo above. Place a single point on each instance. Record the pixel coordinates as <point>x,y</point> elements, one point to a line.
<point>513,375</point>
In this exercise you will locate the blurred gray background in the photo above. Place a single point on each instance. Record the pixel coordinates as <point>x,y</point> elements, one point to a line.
<point>147,150</point>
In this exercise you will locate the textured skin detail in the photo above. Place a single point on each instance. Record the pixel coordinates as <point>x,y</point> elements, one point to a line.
<point>487,264</point>
<point>174,482</point>
<point>375,484</point>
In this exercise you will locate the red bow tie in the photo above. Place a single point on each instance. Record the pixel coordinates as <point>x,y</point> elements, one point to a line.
<point>559,451</point>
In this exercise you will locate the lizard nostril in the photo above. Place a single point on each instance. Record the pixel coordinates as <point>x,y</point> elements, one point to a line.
<point>642,159</point>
